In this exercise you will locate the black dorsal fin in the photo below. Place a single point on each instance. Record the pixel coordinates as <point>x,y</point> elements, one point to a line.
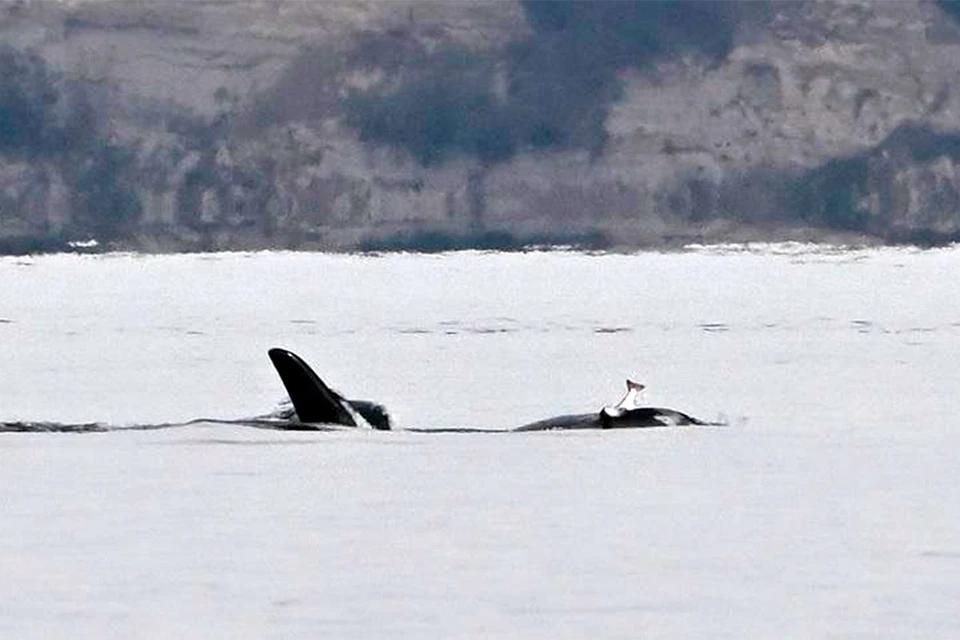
<point>313,400</point>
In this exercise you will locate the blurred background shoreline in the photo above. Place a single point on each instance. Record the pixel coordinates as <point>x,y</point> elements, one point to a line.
<point>342,126</point>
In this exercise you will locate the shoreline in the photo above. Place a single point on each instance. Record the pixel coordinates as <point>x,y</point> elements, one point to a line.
<point>430,240</point>
<point>775,246</point>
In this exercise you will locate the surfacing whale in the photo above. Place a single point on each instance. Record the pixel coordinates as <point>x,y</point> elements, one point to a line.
<point>316,403</point>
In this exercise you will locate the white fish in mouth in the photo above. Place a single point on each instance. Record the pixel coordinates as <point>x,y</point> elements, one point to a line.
<point>629,402</point>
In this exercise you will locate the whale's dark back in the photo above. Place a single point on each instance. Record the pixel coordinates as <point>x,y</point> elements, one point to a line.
<point>648,417</point>
<point>374,413</point>
<point>643,417</point>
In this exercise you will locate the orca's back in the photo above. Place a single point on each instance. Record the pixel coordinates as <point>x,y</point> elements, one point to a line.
<point>313,400</point>
<point>648,417</point>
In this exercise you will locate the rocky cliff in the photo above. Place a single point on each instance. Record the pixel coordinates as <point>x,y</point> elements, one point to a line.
<point>254,123</point>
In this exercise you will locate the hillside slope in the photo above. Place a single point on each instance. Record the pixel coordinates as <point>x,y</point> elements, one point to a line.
<point>232,124</point>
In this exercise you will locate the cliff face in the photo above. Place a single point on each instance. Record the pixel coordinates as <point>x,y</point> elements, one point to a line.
<point>229,123</point>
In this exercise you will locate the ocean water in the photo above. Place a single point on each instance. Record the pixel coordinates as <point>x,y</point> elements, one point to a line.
<point>827,507</point>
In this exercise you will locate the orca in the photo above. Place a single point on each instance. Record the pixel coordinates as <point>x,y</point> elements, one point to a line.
<point>314,403</point>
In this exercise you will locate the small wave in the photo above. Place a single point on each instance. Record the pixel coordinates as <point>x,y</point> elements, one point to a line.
<point>714,327</point>
<point>240,443</point>
<point>271,423</point>
<point>453,330</point>
<point>862,326</point>
<point>52,427</point>
<point>789,248</point>
<point>951,555</point>
<point>612,330</point>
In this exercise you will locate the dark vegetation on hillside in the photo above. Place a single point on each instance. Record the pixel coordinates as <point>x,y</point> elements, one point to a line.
<point>552,90</point>
<point>28,98</point>
<point>442,105</point>
<point>45,119</point>
<point>951,7</point>
<point>835,193</point>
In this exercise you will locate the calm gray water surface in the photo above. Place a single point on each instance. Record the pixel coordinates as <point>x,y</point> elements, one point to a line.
<point>827,507</point>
